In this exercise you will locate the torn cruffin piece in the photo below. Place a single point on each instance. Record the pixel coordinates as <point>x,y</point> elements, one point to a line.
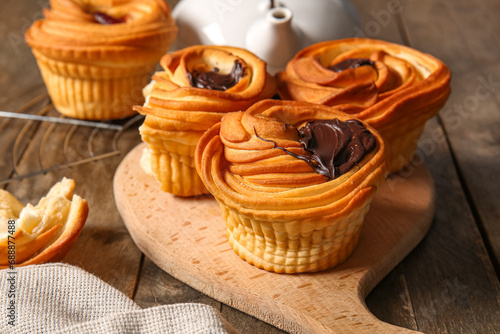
<point>44,232</point>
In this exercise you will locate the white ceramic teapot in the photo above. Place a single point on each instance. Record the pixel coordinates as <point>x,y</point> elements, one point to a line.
<point>273,30</point>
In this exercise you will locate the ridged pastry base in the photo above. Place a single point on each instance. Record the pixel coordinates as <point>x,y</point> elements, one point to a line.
<point>402,137</point>
<point>175,173</point>
<point>93,93</point>
<point>402,148</point>
<point>294,246</point>
<point>171,158</point>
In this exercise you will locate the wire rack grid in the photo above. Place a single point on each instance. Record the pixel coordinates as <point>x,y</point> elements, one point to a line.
<point>37,110</point>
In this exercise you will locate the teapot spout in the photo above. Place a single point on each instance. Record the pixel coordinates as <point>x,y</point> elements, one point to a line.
<point>274,38</point>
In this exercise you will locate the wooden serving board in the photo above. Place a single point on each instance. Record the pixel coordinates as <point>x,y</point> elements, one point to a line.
<point>187,239</point>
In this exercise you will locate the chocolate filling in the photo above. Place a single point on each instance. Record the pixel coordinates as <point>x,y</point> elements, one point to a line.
<point>214,80</point>
<point>105,19</point>
<point>334,146</point>
<point>351,63</point>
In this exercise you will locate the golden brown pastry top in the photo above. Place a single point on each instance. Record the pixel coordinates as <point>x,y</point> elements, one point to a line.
<point>44,232</point>
<point>240,164</point>
<point>173,89</point>
<point>386,74</point>
<point>71,32</point>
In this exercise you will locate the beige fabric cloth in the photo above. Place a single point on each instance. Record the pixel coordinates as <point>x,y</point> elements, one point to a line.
<point>59,298</point>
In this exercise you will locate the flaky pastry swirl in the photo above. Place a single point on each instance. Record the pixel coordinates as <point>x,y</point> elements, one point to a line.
<point>70,32</point>
<point>254,181</point>
<point>177,114</point>
<point>172,89</point>
<point>394,88</point>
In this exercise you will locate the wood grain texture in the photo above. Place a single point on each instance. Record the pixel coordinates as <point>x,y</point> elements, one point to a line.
<point>471,118</point>
<point>390,300</point>
<point>186,238</point>
<point>156,287</point>
<point>449,276</point>
<point>104,247</point>
<point>17,87</point>
<point>463,145</point>
<point>446,285</point>
<point>159,288</point>
<point>449,294</point>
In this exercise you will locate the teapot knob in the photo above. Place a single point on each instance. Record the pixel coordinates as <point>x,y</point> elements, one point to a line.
<point>274,38</point>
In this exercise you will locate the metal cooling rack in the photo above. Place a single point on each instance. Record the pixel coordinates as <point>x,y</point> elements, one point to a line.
<point>36,110</point>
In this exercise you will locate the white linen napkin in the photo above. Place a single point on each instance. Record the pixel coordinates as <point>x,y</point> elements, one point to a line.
<point>60,298</point>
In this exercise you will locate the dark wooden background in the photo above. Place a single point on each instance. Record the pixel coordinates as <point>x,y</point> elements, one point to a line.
<point>448,284</point>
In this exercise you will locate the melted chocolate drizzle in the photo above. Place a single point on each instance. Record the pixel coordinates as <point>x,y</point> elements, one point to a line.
<point>215,81</point>
<point>334,146</point>
<point>105,19</point>
<point>351,63</point>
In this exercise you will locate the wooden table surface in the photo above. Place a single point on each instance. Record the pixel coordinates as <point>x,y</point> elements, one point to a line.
<point>448,284</point>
